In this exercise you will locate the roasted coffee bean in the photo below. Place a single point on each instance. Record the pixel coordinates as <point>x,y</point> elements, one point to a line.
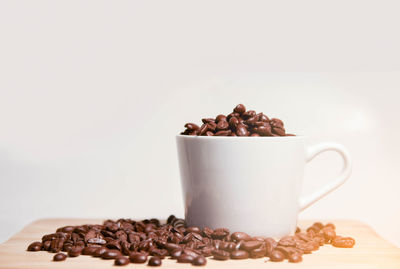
<point>250,245</point>
<point>138,258</point>
<point>239,236</point>
<point>295,257</point>
<point>220,254</point>
<point>176,253</point>
<point>343,242</point>
<point>277,256</point>
<point>111,254</point>
<point>239,254</point>
<point>121,260</point>
<point>223,133</point>
<point>185,258</point>
<point>241,130</point>
<point>59,257</point>
<point>207,120</point>
<point>329,234</point>
<point>220,233</point>
<point>35,246</point>
<point>89,250</point>
<point>154,261</point>
<point>199,261</point>
<point>191,126</point>
<point>99,251</point>
<point>239,109</point>
<point>75,251</point>
<point>220,118</point>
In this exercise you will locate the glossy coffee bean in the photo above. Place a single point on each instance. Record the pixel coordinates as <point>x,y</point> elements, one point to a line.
<point>35,246</point>
<point>199,261</point>
<point>154,261</point>
<point>239,254</point>
<point>239,109</point>
<point>250,245</point>
<point>75,251</point>
<point>239,236</point>
<point>89,250</point>
<point>121,260</point>
<point>185,258</point>
<point>99,251</point>
<point>111,254</point>
<point>138,258</point>
<point>277,256</point>
<point>295,257</point>
<point>59,257</point>
<point>220,254</point>
<point>343,242</point>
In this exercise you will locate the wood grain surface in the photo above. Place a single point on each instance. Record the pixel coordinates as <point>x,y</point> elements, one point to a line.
<point>370,251</point>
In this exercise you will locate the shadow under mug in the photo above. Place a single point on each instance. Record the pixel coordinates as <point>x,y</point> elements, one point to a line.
<point>249,184</point>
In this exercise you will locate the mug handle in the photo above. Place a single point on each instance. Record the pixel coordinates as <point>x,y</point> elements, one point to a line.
<point>315,150</point>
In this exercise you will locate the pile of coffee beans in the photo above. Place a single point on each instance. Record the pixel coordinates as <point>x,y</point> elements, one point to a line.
<point>127,241</point>
<point>238,123</point>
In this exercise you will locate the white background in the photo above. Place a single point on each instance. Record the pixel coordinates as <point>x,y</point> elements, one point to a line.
<point>93,92</point>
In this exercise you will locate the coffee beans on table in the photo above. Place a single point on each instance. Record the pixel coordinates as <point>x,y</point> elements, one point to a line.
<point>238,123</point>
<point>128,241</point>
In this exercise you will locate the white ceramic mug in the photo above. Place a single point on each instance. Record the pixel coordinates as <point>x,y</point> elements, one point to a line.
<point>249,184</point>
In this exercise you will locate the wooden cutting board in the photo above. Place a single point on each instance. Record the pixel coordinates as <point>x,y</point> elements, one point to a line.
<point>370,251</point>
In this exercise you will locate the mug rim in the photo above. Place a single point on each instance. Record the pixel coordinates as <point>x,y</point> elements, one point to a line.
<point>242,137</point>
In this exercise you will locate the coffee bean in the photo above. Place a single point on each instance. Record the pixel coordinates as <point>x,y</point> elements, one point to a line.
<point>111,254</point>
<point>185,258</point>
<point>75,251</point>
<point>343,242</point>
<point>35,246</point>
<point>199,261</point>
<point>191,126</point>
<point>59,257</point>
<point>238,236</point>
<point>239,109</point>
<point>220,254</point>
<point>241,130</point>
<point>220,118</point>
<point>277,256</point>
<point>239,254</point>
<point>295,257</point>
<point>222,125</point>
<point>89,250</point>
<point>258,252</point>
<point>250,245</point>
<point>121,260</point>
<point>154,261</point>
<point>99,251</point>
<point>138,258</point>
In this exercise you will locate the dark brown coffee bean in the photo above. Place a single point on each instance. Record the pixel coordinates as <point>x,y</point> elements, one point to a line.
<point>203,129</point>
<point>220,254</point>
<point>59,257</point>
<point>176,253</point>
<point>211,126</point>
<point>295,257</point>
<point>111,254</point>
<point>184,258</point>
<point>199,261</point>
<point>121,260</point>
<point>207,251</point>
<point>270,244</point>
<point>264,130</point>
<point>154,261</point>
<point>99,251</point>
<point>343,242</point>
<point>241,130</point>
<point>278,131</point>
<point>191,126</point>
<point>239,109</point>
<point>276,123</point>
<point>138,258</point>
<point>248,114</point>
<point>239,236</point>
<point>222,125</point>
<point>207,120</point>
<point>277,256</point>
<point>239,254</point>
<point>250,245</point>
<point>258,252</point>
<point>35,246</point>
<point>89,250</point>
<point>233,122</point>
<point>75,251</point>
<point>220,118</point>
<point>223,133</point>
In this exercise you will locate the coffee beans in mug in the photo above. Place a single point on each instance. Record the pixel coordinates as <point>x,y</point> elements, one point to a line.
<point>238,123</point>
<point>132,241</point>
